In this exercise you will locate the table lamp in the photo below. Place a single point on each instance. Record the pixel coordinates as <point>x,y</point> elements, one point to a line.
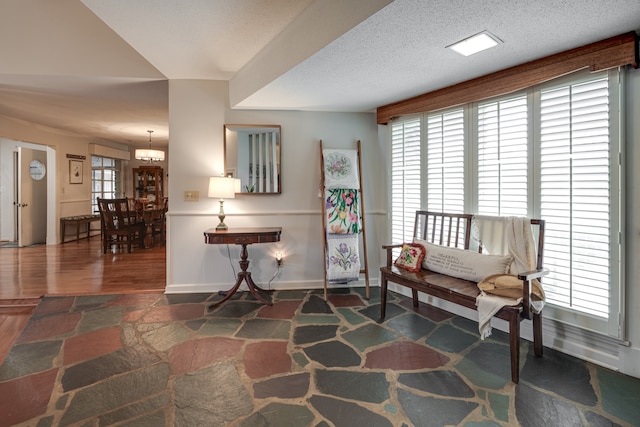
<point>222,187</point>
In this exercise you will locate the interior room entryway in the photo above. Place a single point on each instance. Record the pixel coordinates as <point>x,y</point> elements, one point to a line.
<point>27,194</point>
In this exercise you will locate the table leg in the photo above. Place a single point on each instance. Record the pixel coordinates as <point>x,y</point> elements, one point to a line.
<point>253,288</point>
<point>243,275</point>
<point>148,237</point>
<point>228,294</point>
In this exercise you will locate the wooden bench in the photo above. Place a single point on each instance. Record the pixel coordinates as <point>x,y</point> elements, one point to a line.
<point>82,224</point>
<point>454,230</point>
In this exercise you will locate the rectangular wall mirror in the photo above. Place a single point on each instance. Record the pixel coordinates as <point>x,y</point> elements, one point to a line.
<point>252,154</point>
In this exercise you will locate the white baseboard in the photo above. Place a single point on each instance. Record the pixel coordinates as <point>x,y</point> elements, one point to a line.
<point>630,361</point>
<point>205,288</point>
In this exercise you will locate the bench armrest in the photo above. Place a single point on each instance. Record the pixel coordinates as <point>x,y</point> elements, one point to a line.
<point>534,274</point>
<point>526,278</point>
<point>389,248</point>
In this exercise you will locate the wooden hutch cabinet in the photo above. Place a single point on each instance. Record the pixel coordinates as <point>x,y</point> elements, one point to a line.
<point>148,183</point>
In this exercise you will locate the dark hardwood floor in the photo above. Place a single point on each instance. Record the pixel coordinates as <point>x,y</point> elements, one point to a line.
<point>72,268</point>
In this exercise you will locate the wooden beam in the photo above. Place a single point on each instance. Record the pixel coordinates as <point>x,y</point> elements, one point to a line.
<point>613,52</point>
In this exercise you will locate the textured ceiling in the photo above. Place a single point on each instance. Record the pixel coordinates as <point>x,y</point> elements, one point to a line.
<point>100,68</point>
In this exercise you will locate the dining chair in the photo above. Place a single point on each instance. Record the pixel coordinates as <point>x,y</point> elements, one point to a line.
<point>119,225</point>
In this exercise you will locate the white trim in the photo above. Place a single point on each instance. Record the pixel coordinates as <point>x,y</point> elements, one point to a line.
<point>276,286</point>
<point>52,197</point>
<point>272,213</point>
<point>74,201</point>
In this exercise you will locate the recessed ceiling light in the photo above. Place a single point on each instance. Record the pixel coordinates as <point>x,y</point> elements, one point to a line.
<point>475,43</point>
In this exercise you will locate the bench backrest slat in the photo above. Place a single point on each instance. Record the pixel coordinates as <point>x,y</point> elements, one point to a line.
<point>454,230</point>
<point>445,229</point>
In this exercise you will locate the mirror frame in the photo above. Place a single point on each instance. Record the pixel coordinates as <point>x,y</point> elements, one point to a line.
<point>227,148</point>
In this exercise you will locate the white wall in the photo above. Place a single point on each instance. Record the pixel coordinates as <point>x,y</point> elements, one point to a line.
<point>198,111</point>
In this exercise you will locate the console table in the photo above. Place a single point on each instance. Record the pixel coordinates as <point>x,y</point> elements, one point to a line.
<point>244,237</point>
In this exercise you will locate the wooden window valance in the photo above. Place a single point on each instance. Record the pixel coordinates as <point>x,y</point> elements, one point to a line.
<point>613,52</point>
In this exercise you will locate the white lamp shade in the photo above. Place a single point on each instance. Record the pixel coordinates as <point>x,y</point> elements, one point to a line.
<point>222,187</point>
<point>148,154</point>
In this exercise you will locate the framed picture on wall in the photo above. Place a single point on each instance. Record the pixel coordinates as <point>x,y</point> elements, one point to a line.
<point>75,171</point>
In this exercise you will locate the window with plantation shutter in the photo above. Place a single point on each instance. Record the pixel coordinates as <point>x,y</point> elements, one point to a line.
<point>502,129</point>
<point>575,194</point>
<point>405,178</point>
<point>445,162</point>
<point>553,152</point>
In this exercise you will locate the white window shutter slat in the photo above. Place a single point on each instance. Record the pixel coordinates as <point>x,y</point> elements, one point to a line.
<point>574,152</point>
<point>445,161</point>
<point>502,157</point>
<point>405,178</point>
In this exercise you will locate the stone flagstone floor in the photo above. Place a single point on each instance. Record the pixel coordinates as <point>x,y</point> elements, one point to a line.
<point>165,360</point>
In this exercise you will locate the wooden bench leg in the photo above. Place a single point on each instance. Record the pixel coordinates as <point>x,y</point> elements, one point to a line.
<point>383,297</point>
<point>79,224</point>
<point>414,295</point>
<point>514,344</point>
<point>87,225</point>
<point>537,334</point>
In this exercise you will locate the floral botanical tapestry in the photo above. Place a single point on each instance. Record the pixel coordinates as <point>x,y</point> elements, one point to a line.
<point>341,206</point>
<point>343,261</point>
<point>341,168</point>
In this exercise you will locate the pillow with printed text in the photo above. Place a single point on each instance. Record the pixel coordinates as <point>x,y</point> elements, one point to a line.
<point>463,264</point>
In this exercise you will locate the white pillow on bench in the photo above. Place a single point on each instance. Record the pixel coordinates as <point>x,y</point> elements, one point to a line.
<point>463,264</point>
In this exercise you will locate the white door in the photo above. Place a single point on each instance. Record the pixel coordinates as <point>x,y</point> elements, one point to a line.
<point>32,196</point>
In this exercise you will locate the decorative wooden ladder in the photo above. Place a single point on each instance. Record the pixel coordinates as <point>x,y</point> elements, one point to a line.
<point>365,263</point>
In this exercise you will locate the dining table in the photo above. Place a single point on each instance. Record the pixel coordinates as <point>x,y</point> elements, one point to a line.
<point>148,215</point>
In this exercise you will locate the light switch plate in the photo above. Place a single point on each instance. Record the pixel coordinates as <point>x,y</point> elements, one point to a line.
<point>191,195</point>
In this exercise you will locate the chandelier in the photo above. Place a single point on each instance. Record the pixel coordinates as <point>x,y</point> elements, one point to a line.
<point>147,154</point>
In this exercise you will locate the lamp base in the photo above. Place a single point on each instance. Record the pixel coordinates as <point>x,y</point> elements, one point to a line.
<point>221,215</point>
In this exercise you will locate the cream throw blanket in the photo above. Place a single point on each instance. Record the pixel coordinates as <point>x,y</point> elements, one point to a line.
<point>503,236</point>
